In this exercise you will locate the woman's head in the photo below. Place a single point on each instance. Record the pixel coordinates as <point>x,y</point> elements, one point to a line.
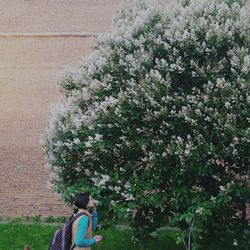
<point>84,201</point>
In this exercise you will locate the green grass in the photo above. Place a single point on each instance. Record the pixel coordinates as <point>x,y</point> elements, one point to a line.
<point>14,235</point>
<point>38,218</point>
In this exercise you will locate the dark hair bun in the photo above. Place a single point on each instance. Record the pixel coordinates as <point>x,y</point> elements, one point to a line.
<point>82,200</point>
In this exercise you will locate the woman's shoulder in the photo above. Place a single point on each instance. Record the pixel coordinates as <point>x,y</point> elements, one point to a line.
<point>82,219</point>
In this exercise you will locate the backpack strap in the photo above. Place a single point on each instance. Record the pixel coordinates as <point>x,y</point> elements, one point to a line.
<point>78,215</point>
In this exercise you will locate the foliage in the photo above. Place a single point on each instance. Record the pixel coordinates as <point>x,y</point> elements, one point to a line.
<point>156,122</point>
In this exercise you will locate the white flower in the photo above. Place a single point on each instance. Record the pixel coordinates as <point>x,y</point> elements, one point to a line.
<point>194,74</point>
<point>153,234</point>
<point>101,180</point>
<point>213,199</point>
<point>88,144</point>
<point>128,197</point>
<point>246,65</point>
<point>235,152</point>
<point>227,105</point>
<point>76,141</point>
<point>216,177</point>
<point>199,211</point>
<point>98,137</point>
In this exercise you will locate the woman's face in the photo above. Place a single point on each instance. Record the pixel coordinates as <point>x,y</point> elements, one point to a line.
<point>91,202</point>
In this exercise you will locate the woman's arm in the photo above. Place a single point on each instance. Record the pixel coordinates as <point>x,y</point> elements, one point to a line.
<point>95,219</point>
<point>82,229</point>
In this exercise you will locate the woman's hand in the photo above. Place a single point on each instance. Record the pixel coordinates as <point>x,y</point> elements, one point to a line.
<point>98,238</point>
<point>95,203</point>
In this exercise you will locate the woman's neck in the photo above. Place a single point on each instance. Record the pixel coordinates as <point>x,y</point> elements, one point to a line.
<point>82,209</point>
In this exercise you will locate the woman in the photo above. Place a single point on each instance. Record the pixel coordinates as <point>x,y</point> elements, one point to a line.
<point>83,227</point>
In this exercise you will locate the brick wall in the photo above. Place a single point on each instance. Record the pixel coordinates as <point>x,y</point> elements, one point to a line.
<point>29,68</point>
<point>28,79</point>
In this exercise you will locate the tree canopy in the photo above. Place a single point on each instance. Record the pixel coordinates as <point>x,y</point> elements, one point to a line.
<point>155,123</point>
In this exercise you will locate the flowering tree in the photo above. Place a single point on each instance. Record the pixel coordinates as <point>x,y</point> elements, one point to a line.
<point>155,123</point>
